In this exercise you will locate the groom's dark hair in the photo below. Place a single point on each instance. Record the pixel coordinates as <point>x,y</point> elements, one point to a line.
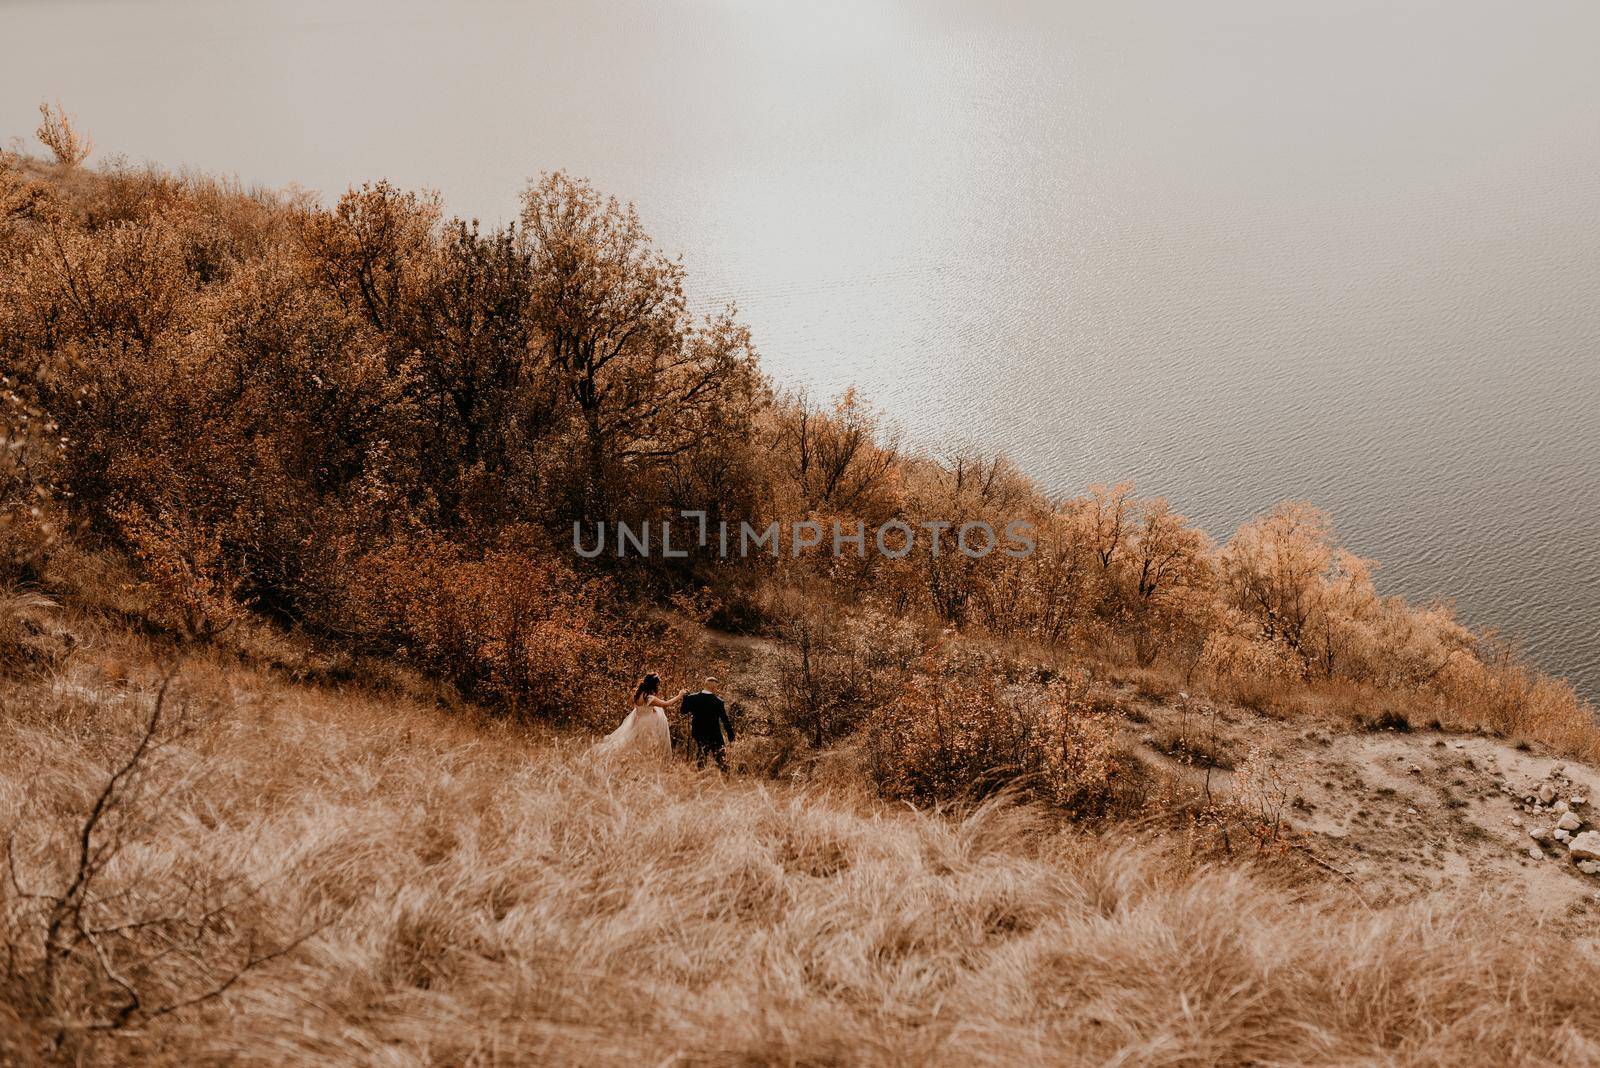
<point>647,687</point>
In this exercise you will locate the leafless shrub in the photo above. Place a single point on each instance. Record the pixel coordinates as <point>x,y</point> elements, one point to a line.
<point>91,951</point>
<point>59,132</point>
<point>837,664</point>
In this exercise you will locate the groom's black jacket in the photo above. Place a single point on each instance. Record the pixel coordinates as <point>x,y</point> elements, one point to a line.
<point>708,716</point>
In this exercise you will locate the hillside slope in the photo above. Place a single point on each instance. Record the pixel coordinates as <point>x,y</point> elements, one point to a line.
<point>1391,810</point>
<point>446,889</point>
<point>1402,814</point>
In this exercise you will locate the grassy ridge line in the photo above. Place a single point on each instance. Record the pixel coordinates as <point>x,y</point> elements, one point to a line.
<point>492,898</point>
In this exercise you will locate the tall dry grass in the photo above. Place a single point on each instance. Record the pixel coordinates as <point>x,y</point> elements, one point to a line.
<point>481,896</point>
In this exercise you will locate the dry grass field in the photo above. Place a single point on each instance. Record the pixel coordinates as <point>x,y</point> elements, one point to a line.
<point>422,888</point>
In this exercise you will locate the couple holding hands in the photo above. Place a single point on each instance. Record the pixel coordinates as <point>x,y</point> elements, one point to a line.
<point>645,732</point>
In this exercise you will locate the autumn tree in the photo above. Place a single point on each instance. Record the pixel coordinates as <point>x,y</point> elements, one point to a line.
<point>837,458</point>
<point>1168,563</point>
<point>1317,599</point>
<point>372,253</point>
<point>94,324</point>
<point>487,400</point>
<point>1110,515</point>
<point>646,382</point>
<point>1275,565</point>
<point>976,494</point>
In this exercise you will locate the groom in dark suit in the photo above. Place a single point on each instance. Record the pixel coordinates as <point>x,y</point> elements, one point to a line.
<point>708,717</point>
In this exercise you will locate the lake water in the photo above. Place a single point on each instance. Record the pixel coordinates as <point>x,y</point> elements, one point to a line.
<point>1237,252</point>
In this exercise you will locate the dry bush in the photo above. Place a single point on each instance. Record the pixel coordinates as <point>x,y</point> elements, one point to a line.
<point>1263,788</point>
<point>29,644</point>
<point>1193,744</point>
<point>950,736</point>
<point>515,627</point>
<point>24,201</point>
<point>837,664</point>
<point>190,580</point>
<point>30,455</point>
<point>1251,668</point>
<point>59,132</point>
<point>1498,692</point>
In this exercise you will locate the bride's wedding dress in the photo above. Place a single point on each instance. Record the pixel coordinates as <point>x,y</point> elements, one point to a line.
<point>643,735</point>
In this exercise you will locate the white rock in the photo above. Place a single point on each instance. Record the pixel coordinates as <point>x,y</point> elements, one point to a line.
<point>1415,770</point>
<point>1589,867</point>
<point>1547,793</point>
<point>1516,821</point>
<point>1577,799</point>
<point>1561,835</point>
<point>1560,806</point>
<point>1538,834</point>
<point>1569,822</point>
<point>1585,846</point>
<point>1534,854</point>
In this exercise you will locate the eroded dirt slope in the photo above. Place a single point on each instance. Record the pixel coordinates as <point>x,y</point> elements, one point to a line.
<point>1399,813</point>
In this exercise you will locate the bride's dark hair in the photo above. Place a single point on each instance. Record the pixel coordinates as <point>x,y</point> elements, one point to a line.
<point>647,687</point>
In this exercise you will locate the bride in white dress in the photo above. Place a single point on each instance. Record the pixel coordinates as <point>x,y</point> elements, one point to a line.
<point>644,734</point>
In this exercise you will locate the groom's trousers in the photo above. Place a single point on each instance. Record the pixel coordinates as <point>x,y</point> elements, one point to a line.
<point>708,748</point>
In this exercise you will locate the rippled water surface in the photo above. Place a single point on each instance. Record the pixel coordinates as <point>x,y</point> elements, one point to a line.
<point>1236,251</point>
